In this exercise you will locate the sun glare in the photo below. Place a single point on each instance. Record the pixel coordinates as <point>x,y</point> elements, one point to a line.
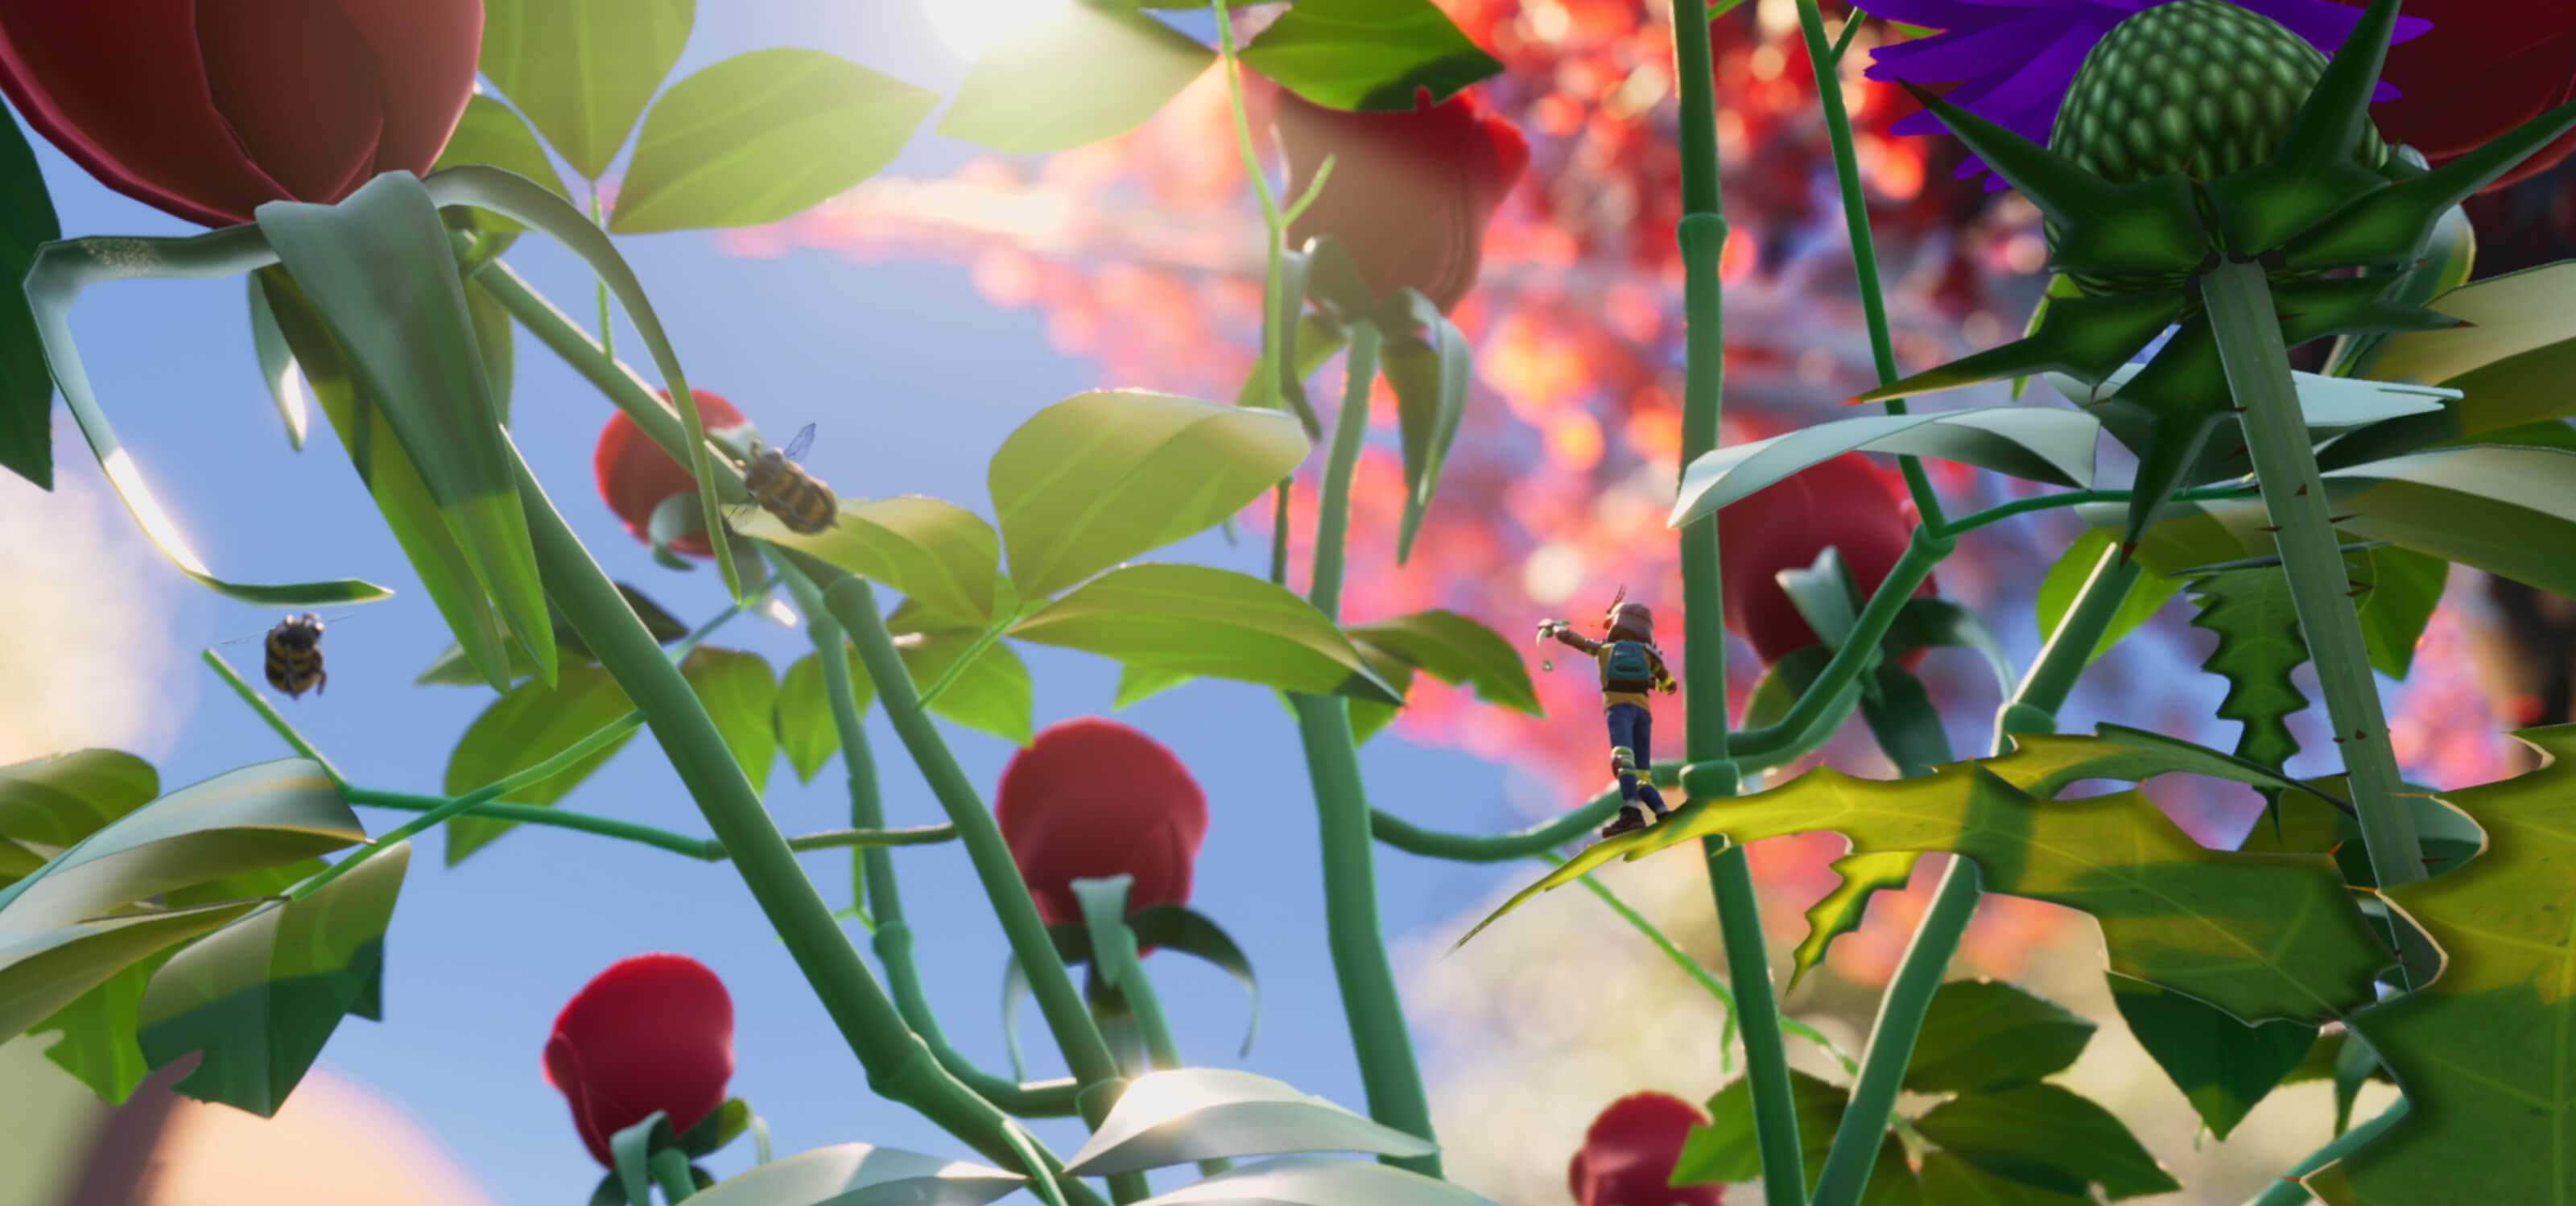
<point>969,27</point>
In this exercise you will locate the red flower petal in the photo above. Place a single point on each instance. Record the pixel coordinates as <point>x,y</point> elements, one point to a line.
<point>1411,193</point>
<point>2483,69</point>
<point>1093,798</point>
<point>1628,1155</point>
<point>1845,503</point>
<point>635,475</point>
<point>654,1032</point>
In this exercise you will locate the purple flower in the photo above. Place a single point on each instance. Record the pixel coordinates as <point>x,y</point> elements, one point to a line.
<point>2014,59</point>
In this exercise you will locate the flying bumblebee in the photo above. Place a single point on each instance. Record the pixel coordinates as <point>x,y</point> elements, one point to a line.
<point>783,488</point>
<point>294,655</point>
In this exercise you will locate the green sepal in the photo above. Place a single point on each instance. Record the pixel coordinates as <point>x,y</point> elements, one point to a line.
<point>631,1152</point>
<point>1334,282</point>
<point>2314,172</point>
<point>2392,225</point>
<point>2358,305</point>
<point>2088,338</point>
<point>2166,415</point>
<point>721,1126</point>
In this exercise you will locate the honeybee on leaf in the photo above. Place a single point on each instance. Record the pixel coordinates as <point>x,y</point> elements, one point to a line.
<point>783,488</point>
<point>294,654</point>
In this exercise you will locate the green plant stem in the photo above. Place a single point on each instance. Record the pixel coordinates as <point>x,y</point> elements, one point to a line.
<point>1127,970</point>
<point>2032,709</point>
<point>534,814</point>
<point>2288,1191</point>
<point>607,317</point>
<point>268,712</point>
<point>2076,498</point>
<point>2242,316</point>
<point>975,649</point>
<point>1824,57</point>
<point>1705,718</point>
<point>1851,30</point>
<point>1333,506</point>
<point>671,1166</point>
<point>899,1066</point>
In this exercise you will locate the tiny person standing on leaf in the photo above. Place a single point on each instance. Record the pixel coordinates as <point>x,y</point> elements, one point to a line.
<point>1631,670</point>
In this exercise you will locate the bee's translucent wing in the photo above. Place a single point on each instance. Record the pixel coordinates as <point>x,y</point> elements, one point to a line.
<point>797,447</point>
<point>259,635</point>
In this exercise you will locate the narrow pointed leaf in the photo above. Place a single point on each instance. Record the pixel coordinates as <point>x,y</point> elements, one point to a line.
<point>494,135</point>
<point>2087,338</point>
<point>2392,225</point>
<point>1457,651</point>
<point>277,365</point>
<point>2508,511</point>
<point>1430,379</point>
<point>761,137</point>
<point>1177,927</point>
<point>2222,1065</point>
<point>1213,623</point>
<point>857,1174</point>
<point>2150,227</point>
<point>582,69</point>
<point>2402,590</point>
<point>1168,1118</point>
<point>2053,446</point>
<point>1043,86</point>
<point>27,222</point>
<point>1318,1181</point>
<point>2314,171</point>
<point>2313,309</point>
<point>937,552</point>
<point>1985,1036</point>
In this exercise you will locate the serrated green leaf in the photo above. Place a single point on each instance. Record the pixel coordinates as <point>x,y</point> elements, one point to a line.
<point>992,695</point>
<point>1368,54</point>
<point>1101,477</point>
<point>740,695</point>
<point>1984,1036</point>
<point>27,222</point>
<point>1458,651</point>
<point>2044,1135</point>
<point>1213,623</point>
<point>1842,910</point>
<point>583,69</point>
<point>2054,446</point>
<point>937,552</point>
<point>1724,1151</point>
<point>2258,646</point>
<point>1048,84</point>
<point>2148,592</point>
<point>2222,1065</point>
<point>761,137</point>
<point>531,723</point>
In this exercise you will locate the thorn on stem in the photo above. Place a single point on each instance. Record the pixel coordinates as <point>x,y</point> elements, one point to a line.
<point>2303,491</point>
<point>2341,518</point>
<point>2273,528</point>
<point>2363,888</point>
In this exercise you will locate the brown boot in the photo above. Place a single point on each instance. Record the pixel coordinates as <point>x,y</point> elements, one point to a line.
<point>1629,820</point>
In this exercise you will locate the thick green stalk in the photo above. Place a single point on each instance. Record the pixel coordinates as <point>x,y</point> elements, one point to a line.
<point>1705,719</point>
<point>2032,709</point>
<point>899,1066</point>
<point>2288,1192</point>
<point>2241,314</point>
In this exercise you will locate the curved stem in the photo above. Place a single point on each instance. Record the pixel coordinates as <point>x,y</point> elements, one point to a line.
<point>2288,1192</point>
<point>1124,966</point>
<point>1842,673</point>
<point>2076,498</point>
<point>268,712</point>
<point>1333,505</point>
<point>707,849</point>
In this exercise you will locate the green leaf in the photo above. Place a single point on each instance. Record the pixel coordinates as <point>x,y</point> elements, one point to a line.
<point>720,1127</point>
<point>761,137</point>
<point>1371,717</point>
<point>2222,1065</point>
<point>60,799</point>
<point>2404,588</point>
<point>2478,1049</point>
<point>1318,339</point>
<point>1951,1181</point>
<point>2053,446</point>
<point>95,1034</point>
<point>582,69</point>
<point>1176,927</point>
<point>378,271</point>
<point>1368,54</point>
<point>497,338</point>
<point>27,222</point>
<point>939,553</point>
<point>1842,910</point>
<point>261,996</point>
<point>1981,1036</point>
<point>1904,721</point>
<point>1139,683</point>
<point>1168,1118</point>
<point>2330,406</point>
<point>2508,511</point>
<point>277,364</point>
<point>453,668</point>
<point>631,1152</point>
<point>1319,1181</point>
<point>1931,623</point>
<point>2046,1136</point>
<point>2148,592</point>
<point>530,724</point>
<point>856,1174</point>
<point>806,731</point>
<point>992,695</point>
<point>740,695</point>
<point>53,287</point>
<point>1724,1151</point>
<point>1101,477</point>
<point>1458,651</point>
<point>2258,646</point>
<point>494,135</point>
<point>2259,935</point>
<point>1075,75</point>
<point>1430,379</point>
<point>1213,623</point>
<point>2087,338</point>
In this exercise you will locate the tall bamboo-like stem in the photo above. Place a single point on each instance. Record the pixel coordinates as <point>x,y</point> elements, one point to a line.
<point>2242,316</point>
<point>899,1066</point>
<point>1710,773</point>
<point>2032,709</point>
<point>2288,1192</point>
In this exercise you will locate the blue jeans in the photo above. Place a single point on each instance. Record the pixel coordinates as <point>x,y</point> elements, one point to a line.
<point>1634,727</point>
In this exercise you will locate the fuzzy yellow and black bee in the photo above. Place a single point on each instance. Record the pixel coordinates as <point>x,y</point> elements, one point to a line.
<point>294,654</point>
<point>783,488</point>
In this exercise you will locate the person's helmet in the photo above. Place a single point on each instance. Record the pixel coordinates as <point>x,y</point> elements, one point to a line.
<point>1631,621</point>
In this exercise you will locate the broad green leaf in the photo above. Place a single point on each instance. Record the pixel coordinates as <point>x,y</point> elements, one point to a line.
<point>1458,651</point>
<point>2331,406</point>
<point>497,338</point>
<point>494,135</point>
<point>2450,255</point>
<point>1368,54</point>
<point>939,553</point>
<point>2046,1136</point>
<point>453,669</point>
<point>1981,1036</point>
<point>2509,363</point>
<point>1842,910</point>
<point>2259,935</point>
<point>27,222</point>
<point>2508,511</point>
<point>856,1174</point>
<point>1167,1118</point>
<point>1177,927</point>
<point>277,364</point>
<point>378,271</point>
<point>2222,1065</point>
<point>807,733</point>
<point>2259,644</point>
<point>2053,446</point>
<point>1101,477</point>
<point>761,137</point>
<point>1074,75</point>
<point>1951,1181</point>
<point>530,724</point>
<point>740,695</point>
<point>59,800</point>
<point>45,971</point>
<point>261,996</point>
<point>53,287</point>
<point>582,69</point>
<point>1724,1152</point>
<point>2403,588</point>
<point>1318,339</point>
<point>1430,374</point>
<point>2480,1049</point>
<point>486,652</point>
<point>1213,623</point>
<point>2148,592</point>
<point>94,1035</point>
<point>1138,683</point>
<point>992,695</point>
<point>1318,1181</point>
<point>1370,717</point>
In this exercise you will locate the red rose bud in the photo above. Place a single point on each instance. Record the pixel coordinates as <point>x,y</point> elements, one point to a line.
<point>1845,503</point>
<point>654,1032</point>
<point>635,475</point>
<point>1628,1155</point>
<point>2482,69</point>
<point>210,110</point>
<point>1092,798</point>
<point>1411,193</point>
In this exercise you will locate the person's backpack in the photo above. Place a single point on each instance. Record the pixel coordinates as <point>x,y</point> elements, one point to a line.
<point>1628,668</point>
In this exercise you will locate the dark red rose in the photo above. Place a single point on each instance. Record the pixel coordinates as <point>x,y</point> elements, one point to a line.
<point>1411,193</point>
<point>2482,69</point>
<point>1629,1153</point>
<point>1092,798</point>
<point>635,475</point>
<point>1846,503</point>
<point>654,1032</point>
<point>210,110</point>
